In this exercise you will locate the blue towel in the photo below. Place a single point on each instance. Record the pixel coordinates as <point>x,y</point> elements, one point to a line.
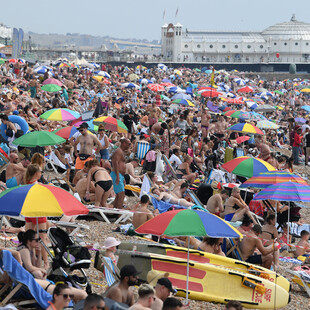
<point>20,274</point>
<point>163,206</point>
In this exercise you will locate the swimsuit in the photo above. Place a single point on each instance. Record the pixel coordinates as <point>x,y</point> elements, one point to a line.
<point>120,187</point>
<point>267,232</point>
<point>228,217</point>
<point>12,182</point>
<point>204,126</point>
<point>105,185</point>
<point>180,175</point>
<point>255,259</point>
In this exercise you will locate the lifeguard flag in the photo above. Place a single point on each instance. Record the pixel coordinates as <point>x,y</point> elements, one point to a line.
<point>212,78</point>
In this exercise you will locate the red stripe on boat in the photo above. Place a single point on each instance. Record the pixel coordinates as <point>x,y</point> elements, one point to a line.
<point>194,257</point>
<point>181,284</point>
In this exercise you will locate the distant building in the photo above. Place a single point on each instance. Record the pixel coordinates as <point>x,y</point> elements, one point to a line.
<point>287,42</point>
<point>5,32</point>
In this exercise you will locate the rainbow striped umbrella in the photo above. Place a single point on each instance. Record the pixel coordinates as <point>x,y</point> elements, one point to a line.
<point>237,114</point>
<point>183,102</point>
<point>265,179</point>
<point>60,115</point>
<point>111,123</point>
<point>245,128</point>
<point>246,166</point>
<point>37,200</point>
<point>286,191</point>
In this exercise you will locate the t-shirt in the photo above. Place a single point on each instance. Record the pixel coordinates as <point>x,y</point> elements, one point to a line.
<point>175,160</point>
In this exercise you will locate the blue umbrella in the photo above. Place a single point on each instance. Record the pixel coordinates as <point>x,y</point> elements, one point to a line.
<point>130,85</point>
<point>306,107</point>
<point>166,81</point>
<point>300,120</point>
<point>208,71</point>
<point>42,69</point>
<point>181,96</point>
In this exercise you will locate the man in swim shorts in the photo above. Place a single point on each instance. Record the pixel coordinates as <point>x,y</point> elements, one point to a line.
<point>87,142</point>
<point>14,172</point>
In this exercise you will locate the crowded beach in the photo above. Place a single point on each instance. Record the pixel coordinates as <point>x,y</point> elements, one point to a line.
<point>152,188</point>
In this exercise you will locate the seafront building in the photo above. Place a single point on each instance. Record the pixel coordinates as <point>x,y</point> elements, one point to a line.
<point>287,42</point>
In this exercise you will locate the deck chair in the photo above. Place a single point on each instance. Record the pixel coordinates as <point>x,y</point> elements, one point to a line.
<point>234,248</point>
<point>142,148</point>
<point>302,279</point>
<point>135,190</point>
<point>239,152</point>
<point>23,281</point>
<point>55,163</point>
<point>169,168</point>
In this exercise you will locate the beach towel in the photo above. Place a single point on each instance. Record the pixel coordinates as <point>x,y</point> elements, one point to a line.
<point>108,276</point>
<point>20,274</point>
<point>163,206</point>
<point>290,260</point>
<point>145,187</point>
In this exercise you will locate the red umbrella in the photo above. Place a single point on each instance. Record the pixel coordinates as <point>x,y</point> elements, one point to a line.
<point>211,93</point>
<point>227,109</point>
<point>246,89</point>
<point>13,61</point>
<point>167,84</point>
<point>234,101</point>
<point>156,87</point>
<point>242,139</point>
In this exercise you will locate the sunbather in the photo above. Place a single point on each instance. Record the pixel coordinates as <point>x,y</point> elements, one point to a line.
<point>170,198</point>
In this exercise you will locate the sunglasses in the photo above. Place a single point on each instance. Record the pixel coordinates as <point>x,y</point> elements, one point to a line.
<point>66,296</point>
<point>36,240</point>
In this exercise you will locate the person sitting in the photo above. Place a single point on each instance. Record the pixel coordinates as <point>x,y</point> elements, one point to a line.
<point>131,164</point>
<point>250,243</point>
<point>110,245</point>
<point>170,198</point>
<point>235,207</point>
<point>303,246</point>
<point>81,174</point>
<point>145,298</point>
<point>81,188</point>
<point>29,241</point>
<point>215,202</point>
<point>93,302</point>
<point>142,213</point>
<point>183,171</point>
<point>122,292</point>
<point>211,245</point>
<point>14,172</point>
<point>62,296</point>
<point>103,183</point>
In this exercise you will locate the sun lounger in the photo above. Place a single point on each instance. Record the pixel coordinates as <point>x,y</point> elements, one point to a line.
<point>22,278</point>
<point>55,163</point>
<point>169,168</point>
<point>101,213</point>
<point>302,279</point>
<point>234,248</point>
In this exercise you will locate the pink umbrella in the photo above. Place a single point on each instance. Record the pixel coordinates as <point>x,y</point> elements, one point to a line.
<point>52,81</point>
<point>156,87</point>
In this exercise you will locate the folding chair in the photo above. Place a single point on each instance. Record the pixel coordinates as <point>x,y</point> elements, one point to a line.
<point>54,162</point>
<point>239,152</point>
<point>135,190</point>
<point>302,279</point>
<point>142,148</point>
<point>169,168</point>
<point>24,282</point>
<point>234,248</point>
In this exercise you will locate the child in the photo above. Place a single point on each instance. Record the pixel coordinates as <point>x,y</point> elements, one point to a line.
<point>303,247</point>
<point>110,245</point>
<point>142,214</point>
<point>68,161</point>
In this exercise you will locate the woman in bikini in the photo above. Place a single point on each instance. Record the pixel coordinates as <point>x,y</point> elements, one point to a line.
<point>103,183</point>
<point>183,171</point>
<point>235,207</point>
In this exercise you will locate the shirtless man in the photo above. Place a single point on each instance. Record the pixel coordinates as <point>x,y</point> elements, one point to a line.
<point>303,246</point>
<point>122,292</point>
<point>87,142</point>
<point>205,123</point>
<point>118,172</point>
<point>215,202</point>
<point>33,84</point>
<point>130,170</point>
<point>14,172</point>
<point>142,213</point>
<point>145,298</point>
<point>220,128</point>
<point>264,150</point>
<point>250,243</point>
<point>81,174</point>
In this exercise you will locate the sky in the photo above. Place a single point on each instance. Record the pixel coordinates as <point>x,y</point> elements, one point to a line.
<point>143,19</point>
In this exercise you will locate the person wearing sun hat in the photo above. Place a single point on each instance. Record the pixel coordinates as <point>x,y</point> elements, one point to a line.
<point>110,245</point>
<point>163,287</point>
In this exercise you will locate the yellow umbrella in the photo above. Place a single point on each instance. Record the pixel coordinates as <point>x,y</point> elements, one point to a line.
<point>305,90</point>
<point>98,78</point>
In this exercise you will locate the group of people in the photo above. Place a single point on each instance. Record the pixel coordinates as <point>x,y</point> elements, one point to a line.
<point>99,164</point>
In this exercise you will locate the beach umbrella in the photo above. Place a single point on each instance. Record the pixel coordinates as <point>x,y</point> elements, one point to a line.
<point>246,89</point>
<point>165,98</point>
<point>111,123</point>
<point>91,125</point>
<point>245,128</point>
<point>212,107</point>
<point>240,82</point>
<point>183,102</point>
<point>52,81</point>
<point>265,93</point>
<point>2,61</point>
<point>162,67</point>
<point>188,223</point>
<point>265,179</point>
<point>305,90</point>
<point>51,88</point>
<point>133,77</point>
<point>265,108</point>
<point>246,166</point>
<point>60,115</point>
<point>181,96</point>
<point>130,85</point>
<point>103,73</point>
<point>237,114</point>
<point>264,124</point>
<point>306,107</point>
<point>211,93</point>
<point>242,139</point>
<point>38,138</point>
<point>234,101</point>
<point>37,200</point>
<point>300,120</point>
<point>66,132</point>
<point>251,104</point>
<point>42,69</point>
<point>256,116</point>
<point>156,87</point>
<point>167,84</point>
<point>279,92</point>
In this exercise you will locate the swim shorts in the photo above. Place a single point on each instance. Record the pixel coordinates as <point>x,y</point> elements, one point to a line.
<point>79,163</point>
<point>33,220</point>
<point>228,217</point>
<point>12,182</point>
<point>255,259</point>
<point>120,187</point>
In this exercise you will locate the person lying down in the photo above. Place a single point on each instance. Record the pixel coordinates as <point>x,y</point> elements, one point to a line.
<point>170,198</point>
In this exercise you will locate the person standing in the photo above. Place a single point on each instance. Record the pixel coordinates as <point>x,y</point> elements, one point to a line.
<point>307,146</point>
<point>103,138</point>
<point>297,143</point>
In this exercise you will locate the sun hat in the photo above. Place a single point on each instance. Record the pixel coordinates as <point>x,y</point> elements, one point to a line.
<point>153,276</point>
<point>110,242</point>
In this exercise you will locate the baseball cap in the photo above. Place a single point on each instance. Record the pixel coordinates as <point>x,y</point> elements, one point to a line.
<point>167,283</point>
<point>129,270</point>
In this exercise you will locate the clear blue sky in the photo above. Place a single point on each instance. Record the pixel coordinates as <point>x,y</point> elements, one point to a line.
<point>143,19</point>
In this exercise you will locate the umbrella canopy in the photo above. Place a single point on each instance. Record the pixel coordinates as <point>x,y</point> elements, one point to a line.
<point>305,90</point>
<point>242,139</point>
<point>130,85</point>
<point>66,132</point>
<point>37,200</point>
<point>265,179</point>
<point>212,107</point>
<point>39,138</point>
<point>265,108</point>
<point>306,107</point>
<point>103,73</point>
<point>287,191</point>
<point>246,166</point>
<point>187,222</point>
<point>211,94</point>
<point>2,61</point>
<point>267,124</point>
<point>246,89</point>
<point>52,81</point>
<point>246,128</point>
<point>51,88</point>
<point>181,96</point>
<point>300,120</point>
<point>111,123</point>
<point>183,102</point>
<point>237,114</point>
<point>156,87</point>
<point>234,101</point>
<point>60,115</point>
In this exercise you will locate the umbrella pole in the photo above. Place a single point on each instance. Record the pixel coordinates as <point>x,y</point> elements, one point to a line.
<point>288,223</point>
<point>187,272</point>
